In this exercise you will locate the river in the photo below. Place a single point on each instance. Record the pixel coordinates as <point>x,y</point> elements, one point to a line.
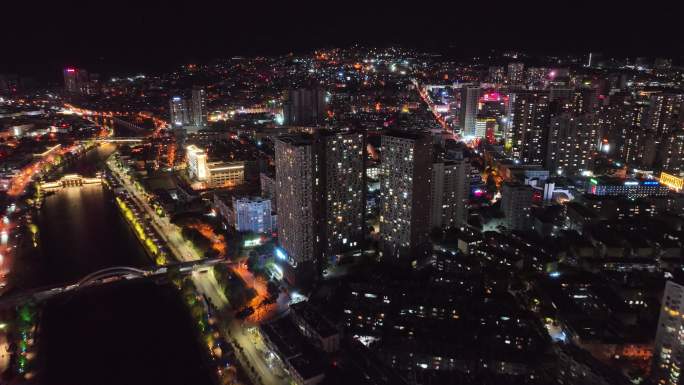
<point>125,333</point>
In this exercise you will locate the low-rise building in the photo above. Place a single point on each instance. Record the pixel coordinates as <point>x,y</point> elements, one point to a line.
<point>302,362</point>
<point>576,366</point>
<point>246,214</point>
<point>208,174</point>
<point>316,327</point>
<point>631,188</point>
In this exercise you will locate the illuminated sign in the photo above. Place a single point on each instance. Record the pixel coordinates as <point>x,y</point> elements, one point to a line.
<point>280,253</point>
<point>673,182</point>
<point>631,183</point>
<point>593,181</point>
<point>650,183</point>
<point>70,70</point>
<point>276,272</point>
<point>252,242</point>
<point>491,97</point>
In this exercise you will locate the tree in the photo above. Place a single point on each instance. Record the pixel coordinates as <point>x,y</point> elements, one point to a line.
<point>174,276</point>
<point>161,259</point>
<point>211,253</point>
<point>198,240</point>
<point>273,289</point>
<point>239,295</point>
<point>252,262</point>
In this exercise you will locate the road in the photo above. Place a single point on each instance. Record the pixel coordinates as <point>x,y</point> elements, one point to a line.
<point>205,283</point>
<point>438,116</point>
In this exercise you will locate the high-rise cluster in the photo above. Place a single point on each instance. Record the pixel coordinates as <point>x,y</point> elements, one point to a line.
<point>193,113</point>
<point>320,188</point>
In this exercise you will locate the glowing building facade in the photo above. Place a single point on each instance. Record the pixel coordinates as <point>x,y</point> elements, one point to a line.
<point>531,117</point>
<point>405,184</point>
<point>572,142</point>
<point>197,163</point>
<point>199,107</point>
<point>178,112</point>
<point>320,189</point>
<point>213,174</point>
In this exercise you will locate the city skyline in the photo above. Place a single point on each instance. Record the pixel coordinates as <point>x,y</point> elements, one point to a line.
<point>145,37</point>
<point>336,193</point>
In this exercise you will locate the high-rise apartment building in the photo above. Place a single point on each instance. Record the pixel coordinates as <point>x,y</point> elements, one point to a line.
<point>405,188</point>
<point>611,123</point>
<point>516,204</point>
<point>662,123</point>
<point>76,81</point>
<point>668,355</point>
<point>572,142</point>
<point>450,190</point>
<point>531,118</point>
<point>574,100</point>
<point>345,198</point>
<point>631,132</point>
<point>199,107</point>
<point>470,97</point>
<point>299,199</point>
<point>516,73</point>
<point>497,74</point>
<point>178,112</point>
<point>673,152</point>
<point>268,188</point>
<point>320,181</point>
<point>665,113</point>
<point>305,107</point>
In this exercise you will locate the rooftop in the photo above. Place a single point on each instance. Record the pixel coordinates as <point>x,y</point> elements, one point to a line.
<point>313,317</point>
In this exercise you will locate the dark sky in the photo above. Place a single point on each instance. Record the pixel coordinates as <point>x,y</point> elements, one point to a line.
<point>125,36</point>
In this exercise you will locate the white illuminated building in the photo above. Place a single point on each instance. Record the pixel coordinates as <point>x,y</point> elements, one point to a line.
<point>178,112</point>
<point>199,107</point>
<point>470,96</point>
<point>213,174</point>
<point>253,215</point>
<point>197,163</point>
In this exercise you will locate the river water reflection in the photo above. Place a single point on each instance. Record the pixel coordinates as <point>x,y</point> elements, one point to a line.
<point>124,333</point>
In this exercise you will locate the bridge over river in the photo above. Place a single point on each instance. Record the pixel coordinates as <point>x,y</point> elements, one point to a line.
<point>110,275</point>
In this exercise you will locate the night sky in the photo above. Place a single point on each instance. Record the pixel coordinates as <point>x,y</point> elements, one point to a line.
<point>119,37</point>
